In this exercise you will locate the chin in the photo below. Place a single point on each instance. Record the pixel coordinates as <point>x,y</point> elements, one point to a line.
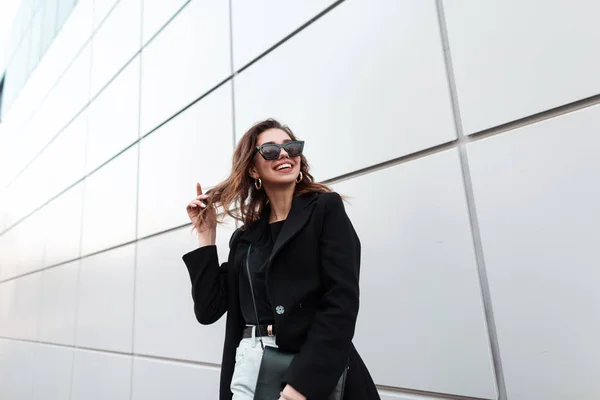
<point>287,182</point>
<point>283,181</point>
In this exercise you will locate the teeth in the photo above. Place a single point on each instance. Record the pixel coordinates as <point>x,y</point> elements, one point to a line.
<point>282,166</point>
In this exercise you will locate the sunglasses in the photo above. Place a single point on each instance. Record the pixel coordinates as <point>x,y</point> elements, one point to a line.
<point>271,151</point>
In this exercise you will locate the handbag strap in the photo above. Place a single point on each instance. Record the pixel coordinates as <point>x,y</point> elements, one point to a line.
<point>253,298</point>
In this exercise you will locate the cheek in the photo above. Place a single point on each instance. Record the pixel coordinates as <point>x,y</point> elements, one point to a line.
<point>261,166</point>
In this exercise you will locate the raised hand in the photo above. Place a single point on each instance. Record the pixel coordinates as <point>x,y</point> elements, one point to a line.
<point>205,225</point>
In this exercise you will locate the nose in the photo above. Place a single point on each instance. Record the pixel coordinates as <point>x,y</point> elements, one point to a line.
<point>283,153</point>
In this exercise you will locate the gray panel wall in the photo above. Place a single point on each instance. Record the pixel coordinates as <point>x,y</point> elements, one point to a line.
<point>464,134</point>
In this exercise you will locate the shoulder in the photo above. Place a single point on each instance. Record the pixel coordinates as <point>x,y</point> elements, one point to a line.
<point>330,200</point>
<point>330,206</point>
<point>234,237</point>
<point>320,201</point>
<point>332,216</point>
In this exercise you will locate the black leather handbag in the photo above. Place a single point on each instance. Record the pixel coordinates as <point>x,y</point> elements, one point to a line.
<point>275,362</point>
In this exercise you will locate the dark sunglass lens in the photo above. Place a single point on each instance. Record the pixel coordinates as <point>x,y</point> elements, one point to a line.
<point>294,149</point>
<point>270,152</point>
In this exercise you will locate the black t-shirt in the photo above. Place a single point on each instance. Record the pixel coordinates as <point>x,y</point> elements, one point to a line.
<point>259,255</point>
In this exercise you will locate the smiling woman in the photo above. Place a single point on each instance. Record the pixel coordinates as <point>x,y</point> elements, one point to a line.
<point>264,147</point>
<point>291,282</point>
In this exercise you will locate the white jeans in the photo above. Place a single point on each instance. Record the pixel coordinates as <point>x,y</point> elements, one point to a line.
<point>247,363</point>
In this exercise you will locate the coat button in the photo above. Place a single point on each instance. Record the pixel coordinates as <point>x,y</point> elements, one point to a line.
<point>300,305</point>
<point>279,310</point>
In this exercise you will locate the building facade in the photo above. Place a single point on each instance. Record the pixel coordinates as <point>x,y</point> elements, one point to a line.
<point>464,133</point>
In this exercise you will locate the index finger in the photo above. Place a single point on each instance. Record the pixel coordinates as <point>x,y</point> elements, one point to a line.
<point>198,189</point>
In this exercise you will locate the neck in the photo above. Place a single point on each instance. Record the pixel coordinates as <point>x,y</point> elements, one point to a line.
<point>280,199</point>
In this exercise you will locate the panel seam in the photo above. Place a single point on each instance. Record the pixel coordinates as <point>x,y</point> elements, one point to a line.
<point>426,395</point>
<point>233,74</point>
<point>137,197</point>
<point>215,366</point>
<point>291,35</point>
<point>81,219</point>
<point>535,118</point>
<point>471,208</point>
<point>116,352</point>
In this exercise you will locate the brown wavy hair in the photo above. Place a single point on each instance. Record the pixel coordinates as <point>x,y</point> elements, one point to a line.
<point>237,195</point>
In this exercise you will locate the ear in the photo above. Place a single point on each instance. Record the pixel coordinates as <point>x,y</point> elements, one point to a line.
<point>252,172</point>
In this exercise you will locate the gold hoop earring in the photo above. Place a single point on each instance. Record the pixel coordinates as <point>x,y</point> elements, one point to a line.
<point>258,184</point>
<point>299,178</point>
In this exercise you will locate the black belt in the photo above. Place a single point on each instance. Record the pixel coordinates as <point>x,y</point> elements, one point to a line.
<point>261,330</point>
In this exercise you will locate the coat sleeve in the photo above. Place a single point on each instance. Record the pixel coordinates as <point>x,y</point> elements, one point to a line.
<point>209,282</point>
<point>315,370</point>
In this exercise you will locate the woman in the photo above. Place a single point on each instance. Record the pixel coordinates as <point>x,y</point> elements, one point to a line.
<point>303,257</point>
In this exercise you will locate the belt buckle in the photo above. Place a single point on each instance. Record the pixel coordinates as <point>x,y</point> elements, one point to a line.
<point>270,330</point>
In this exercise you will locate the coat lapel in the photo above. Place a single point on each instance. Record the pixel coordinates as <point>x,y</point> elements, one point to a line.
<point>302,207</point>
<point>297,218</point>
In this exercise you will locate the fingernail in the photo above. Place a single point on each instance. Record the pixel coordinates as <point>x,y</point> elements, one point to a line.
<point>193,205</point>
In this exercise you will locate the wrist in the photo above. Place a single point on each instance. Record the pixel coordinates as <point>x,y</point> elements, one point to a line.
<point>206,240</point>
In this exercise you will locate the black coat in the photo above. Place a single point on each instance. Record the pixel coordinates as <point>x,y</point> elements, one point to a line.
<point>313,277</point>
